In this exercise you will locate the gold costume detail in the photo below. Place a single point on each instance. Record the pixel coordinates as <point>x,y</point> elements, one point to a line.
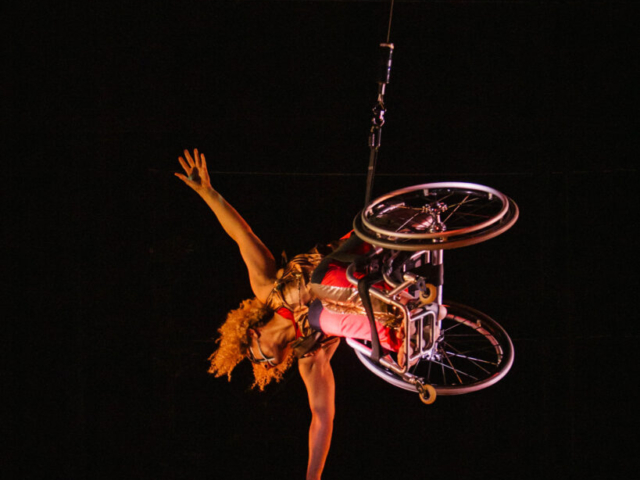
<point>347,301</point>
<point>292,288</point>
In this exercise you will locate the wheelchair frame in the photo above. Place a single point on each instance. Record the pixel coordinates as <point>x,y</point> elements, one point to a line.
<point>410,229</point>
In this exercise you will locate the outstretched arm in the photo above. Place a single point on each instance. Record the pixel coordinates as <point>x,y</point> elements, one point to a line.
<point>318,377</point>
<point>256,256</point>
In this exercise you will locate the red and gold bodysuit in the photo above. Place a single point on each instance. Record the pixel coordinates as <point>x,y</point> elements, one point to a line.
<point>338,311</point>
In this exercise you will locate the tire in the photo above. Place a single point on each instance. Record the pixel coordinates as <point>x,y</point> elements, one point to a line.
<point>436,216</point>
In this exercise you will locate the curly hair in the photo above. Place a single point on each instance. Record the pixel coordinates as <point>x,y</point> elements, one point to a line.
<point>234,344</point>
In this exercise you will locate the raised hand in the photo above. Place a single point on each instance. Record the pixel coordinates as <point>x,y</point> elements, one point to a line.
<point>196,169</point>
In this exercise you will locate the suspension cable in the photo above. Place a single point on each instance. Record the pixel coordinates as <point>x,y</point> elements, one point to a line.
<point>390,18</point>
<point>386,52</point>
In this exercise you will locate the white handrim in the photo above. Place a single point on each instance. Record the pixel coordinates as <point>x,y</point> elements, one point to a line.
<point>427,186</point>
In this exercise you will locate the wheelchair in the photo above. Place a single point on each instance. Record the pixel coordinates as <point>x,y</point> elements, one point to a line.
<point>449,348</point>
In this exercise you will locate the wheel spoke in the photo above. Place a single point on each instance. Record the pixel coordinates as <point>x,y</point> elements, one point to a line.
<point>455,325</point>
<point>401,226</point>
<point>442,199</point>
<point>475,359</point>
<point>464,201</point>
<point>471,349</point>
<point>451,365</point>
<point>472,361</point>
<point>455,209</point>
<point>448,368</point>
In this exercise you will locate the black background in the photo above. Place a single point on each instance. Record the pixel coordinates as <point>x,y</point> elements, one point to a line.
<point>120,275</point>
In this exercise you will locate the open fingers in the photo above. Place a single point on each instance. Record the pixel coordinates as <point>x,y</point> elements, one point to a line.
<point>189,159</point>
<point>184,164</point>
<point>182,177</point>
<point>195,167</point>
<point>196,156</point>
<point>190,180</point>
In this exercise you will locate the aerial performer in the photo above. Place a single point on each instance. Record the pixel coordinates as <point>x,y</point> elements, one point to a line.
<point>298,313</point>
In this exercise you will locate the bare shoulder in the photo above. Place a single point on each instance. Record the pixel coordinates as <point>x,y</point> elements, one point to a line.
<point>262,290</point>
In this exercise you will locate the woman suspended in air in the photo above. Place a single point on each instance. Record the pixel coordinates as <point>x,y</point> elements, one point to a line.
<point>298,313</point>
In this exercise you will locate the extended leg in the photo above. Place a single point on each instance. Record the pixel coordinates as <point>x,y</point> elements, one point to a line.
<point>350,326</point>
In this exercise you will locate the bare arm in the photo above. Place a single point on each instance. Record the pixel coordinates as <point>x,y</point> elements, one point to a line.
<point>318,377</point>
<point>256,256</point>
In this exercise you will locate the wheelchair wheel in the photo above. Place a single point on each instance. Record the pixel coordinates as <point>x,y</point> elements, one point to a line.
<point>436,216</point>
<point>472,353</point>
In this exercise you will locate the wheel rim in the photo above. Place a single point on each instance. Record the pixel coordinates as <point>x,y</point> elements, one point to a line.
<point>436,216</point>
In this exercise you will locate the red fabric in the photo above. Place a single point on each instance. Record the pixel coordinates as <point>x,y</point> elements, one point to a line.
<point>285,312</point>
<point>352,325</point>
<point>362,248</point>
<point>336,277</point>
<point>288,314</point>
<point>356,326</point>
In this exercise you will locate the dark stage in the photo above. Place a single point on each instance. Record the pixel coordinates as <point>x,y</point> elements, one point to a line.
<point>120,275</point>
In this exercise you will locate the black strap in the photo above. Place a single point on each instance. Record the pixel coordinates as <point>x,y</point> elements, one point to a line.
<point>342,254</point>
<point>363,289</point>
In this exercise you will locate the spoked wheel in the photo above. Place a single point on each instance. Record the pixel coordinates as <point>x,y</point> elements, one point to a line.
<point>436,216</point>
<point>472,353</point>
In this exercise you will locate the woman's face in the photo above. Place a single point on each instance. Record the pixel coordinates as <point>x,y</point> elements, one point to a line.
<point>263,350</point>
<point>258,354</point>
